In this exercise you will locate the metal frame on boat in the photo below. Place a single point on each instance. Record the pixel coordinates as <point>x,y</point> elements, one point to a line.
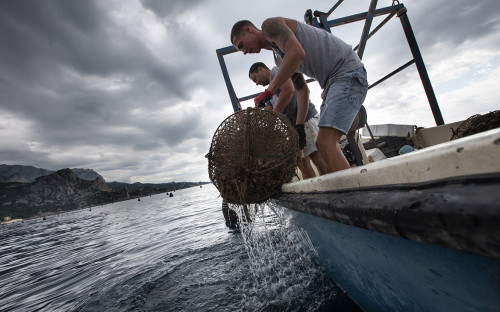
<point>416,232</point>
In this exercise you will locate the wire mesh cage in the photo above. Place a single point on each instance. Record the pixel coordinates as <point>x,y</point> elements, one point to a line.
<point>253,152</point>
<point>476,124</point>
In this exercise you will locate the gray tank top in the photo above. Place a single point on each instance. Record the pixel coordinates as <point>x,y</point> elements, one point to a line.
<point>291,110</point>
<point>327,56</point>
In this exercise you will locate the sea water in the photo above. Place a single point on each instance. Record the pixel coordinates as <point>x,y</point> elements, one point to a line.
<point>162,254</point>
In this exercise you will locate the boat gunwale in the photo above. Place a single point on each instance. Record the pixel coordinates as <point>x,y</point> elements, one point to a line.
<point>442,212</point>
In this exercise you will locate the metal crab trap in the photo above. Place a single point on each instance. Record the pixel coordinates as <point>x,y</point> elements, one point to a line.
<point>476,124</point>
<point>253,152</point>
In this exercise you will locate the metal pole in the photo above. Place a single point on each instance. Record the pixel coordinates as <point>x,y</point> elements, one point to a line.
<point>334,7</point>
<point>378,28</point>
<point>320,14</point>
<point>324,22</point>
<point>422,71</point>
<point>362,16</point>
<point>229,85</point>
<point>391,74</point>
<point>366,28</point>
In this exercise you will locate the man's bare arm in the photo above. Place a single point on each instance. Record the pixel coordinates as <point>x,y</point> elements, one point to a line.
<point>302,97</point>
<point>286,94</point>
<point>277,31</point>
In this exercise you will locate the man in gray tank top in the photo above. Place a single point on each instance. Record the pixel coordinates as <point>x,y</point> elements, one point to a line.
<point>320,55</point>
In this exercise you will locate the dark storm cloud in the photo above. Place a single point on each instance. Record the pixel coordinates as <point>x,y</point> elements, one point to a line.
<point>39,32</point>
<point>28,157</point>
<point>46,37</point>
<point>164,9</point>
<point>53,45</point>
<point>128,86</point>
<point>456,21</point>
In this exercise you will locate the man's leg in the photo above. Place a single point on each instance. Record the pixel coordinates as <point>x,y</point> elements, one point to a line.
<point>306,163</point>
<point>328,144</point>
<point>307,171</point>
<point>338,111</point>
<point>319,162</point>
<point>312,130</point>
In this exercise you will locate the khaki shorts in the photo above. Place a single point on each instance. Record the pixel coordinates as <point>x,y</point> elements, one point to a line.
<point>311,128</point>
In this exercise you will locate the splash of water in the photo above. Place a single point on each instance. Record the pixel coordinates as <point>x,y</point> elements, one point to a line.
<point>282,271</point>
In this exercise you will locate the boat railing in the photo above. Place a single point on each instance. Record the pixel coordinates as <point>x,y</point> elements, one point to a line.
<point>320,19</point>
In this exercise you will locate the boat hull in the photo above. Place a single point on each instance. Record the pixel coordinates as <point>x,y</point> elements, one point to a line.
<point>417,232</point>
<point>460,213</point>
<point>383,272</point>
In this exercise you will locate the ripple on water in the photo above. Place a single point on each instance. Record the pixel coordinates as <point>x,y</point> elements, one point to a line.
<point>159,254</point>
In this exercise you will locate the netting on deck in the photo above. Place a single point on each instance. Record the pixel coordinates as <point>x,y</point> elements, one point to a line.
<point>476,124</point>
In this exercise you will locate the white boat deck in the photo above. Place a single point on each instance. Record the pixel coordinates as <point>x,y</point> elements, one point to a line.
<point>472,155</point>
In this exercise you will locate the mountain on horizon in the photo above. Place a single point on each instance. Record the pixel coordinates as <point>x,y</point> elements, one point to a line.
<point>28,174</point>
<point>64,190</point>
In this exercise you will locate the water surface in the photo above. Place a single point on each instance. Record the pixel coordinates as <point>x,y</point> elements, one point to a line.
<point>161,254</point>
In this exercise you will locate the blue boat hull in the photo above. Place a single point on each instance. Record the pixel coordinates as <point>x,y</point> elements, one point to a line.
<point>384,272</point>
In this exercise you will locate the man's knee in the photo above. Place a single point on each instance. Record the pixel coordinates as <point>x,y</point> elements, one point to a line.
<point>321,143</point>
<point>328,137</point>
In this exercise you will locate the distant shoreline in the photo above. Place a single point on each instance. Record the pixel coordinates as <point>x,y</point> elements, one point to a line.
<point>46,214</point>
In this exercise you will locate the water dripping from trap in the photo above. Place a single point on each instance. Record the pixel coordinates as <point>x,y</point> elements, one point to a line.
<point>283,275</point>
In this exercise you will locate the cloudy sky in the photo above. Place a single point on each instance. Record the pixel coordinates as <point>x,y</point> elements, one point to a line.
<point>133,88</point>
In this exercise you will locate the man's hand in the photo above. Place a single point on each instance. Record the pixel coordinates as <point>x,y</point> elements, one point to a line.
<point>263,98</point>
<point>302,136</point>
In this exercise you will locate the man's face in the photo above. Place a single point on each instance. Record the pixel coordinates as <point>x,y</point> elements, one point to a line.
<point>247,42</point>
<point>261,77</point>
